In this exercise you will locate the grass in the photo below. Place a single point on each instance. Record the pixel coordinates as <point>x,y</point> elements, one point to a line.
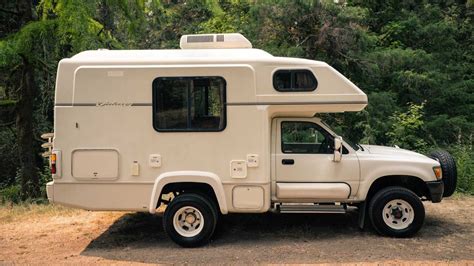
<point>11,212</point>
<point>461,195</point>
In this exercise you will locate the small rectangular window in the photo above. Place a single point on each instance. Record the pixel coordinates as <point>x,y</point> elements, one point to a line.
<point>189,104</point>
<point>294,80</point>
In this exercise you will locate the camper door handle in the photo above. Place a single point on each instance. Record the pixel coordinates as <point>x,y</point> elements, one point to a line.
<point>287,161</point>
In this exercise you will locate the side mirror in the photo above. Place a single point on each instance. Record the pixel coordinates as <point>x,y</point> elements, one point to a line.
<point>337,149</point>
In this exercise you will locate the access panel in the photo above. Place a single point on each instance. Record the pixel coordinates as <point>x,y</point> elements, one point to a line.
<point>95,164</point>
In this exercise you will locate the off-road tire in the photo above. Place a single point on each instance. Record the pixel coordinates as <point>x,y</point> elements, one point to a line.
<point>448,167</point>
<point>209,215</point>
<point>384,196</point>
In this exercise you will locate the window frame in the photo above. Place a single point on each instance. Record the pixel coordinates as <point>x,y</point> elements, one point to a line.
<point>323,131</point>
<point>154,104</point>
<point>292,73</point>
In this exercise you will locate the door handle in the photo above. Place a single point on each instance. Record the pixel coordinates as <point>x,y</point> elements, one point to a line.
<point>287,161</point>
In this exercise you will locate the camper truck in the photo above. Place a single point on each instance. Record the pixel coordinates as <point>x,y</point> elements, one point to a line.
<point>219,127</point>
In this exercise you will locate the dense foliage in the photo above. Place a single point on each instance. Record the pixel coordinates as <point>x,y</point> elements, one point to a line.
<point>414,59</point>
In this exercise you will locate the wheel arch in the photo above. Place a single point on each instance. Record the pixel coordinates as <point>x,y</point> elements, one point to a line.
<point>203,180</point>
<point>413,183</point>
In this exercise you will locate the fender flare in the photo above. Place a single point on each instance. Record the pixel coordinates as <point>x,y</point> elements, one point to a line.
<point>368,178</point>
<point>188,176</point>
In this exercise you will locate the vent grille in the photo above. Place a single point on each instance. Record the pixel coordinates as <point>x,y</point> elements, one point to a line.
<point>200,38</point>
<point>219,38</point>
<point>214,41</point>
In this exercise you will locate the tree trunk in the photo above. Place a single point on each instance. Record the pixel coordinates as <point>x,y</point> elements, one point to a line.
<point>106,19</point>
<point>26,145</point>
<point>29,177</point>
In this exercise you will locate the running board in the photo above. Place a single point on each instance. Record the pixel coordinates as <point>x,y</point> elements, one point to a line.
<point>311,208</point>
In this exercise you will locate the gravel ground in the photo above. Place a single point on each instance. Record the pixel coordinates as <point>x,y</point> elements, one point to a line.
<point>63,235</point>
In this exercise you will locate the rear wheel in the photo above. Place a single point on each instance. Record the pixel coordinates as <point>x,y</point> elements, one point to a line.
<point>190,220</point>
<point>396,212</point>
<point>448,167</point>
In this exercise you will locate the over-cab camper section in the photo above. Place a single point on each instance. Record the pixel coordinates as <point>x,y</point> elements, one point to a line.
<point>127,121</point>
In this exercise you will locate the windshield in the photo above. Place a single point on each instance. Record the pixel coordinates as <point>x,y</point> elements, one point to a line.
<point>355,146</point>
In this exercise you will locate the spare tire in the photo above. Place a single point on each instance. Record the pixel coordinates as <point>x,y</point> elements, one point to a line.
<point>448,167</point>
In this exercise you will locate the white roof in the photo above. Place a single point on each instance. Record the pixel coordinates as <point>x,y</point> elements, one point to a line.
<point>183,56</point>
<point>125,55</point>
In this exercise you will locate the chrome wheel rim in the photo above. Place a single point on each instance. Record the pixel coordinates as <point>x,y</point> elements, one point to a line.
<point>188,221</point>
<point>398,214</point>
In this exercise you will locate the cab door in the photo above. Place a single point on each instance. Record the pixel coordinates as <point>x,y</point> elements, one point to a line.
<point>304,162</point>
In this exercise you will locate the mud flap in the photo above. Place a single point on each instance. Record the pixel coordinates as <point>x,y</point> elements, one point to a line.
<point>362,211</point>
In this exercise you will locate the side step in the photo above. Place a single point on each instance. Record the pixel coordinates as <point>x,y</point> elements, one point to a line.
<point>310,208</point>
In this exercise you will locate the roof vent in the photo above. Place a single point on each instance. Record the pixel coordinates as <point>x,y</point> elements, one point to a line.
<point>214,41</point>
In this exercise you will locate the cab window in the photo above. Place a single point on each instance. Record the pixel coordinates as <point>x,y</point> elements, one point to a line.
<point>305,137</point>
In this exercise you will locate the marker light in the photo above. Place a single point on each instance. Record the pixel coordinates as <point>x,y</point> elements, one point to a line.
<point>438,172</point>
<point>53,163</point>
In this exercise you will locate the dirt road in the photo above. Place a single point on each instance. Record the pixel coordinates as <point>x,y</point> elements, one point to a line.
<point>54,234</point>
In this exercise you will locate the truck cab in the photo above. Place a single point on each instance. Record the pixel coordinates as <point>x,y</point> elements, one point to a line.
<point>307,163</point>
<point>219,127</point>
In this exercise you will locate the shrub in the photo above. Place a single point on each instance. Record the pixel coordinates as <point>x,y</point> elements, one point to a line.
<point>11,194</point>
<point>408,129</point>
<point>464,156</point>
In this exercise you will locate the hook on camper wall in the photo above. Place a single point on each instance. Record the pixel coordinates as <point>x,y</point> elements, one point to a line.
<point>77,125</point>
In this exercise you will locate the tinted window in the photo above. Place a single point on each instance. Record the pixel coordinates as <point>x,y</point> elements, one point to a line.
<point>189,104</point>
<point>294,80</point>
<point>304,137</point>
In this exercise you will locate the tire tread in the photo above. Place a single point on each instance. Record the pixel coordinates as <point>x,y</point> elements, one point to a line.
<point>449,170</point>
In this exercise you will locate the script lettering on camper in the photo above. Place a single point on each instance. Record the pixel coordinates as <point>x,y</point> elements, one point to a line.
<point>112,104</point>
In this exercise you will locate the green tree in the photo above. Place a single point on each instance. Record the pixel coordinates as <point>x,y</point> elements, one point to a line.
<point>407,129</point>
<point>413,59</point>
<point>49,31</point>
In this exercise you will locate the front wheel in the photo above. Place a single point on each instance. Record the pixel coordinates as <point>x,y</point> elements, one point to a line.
<point>396,212</point>
<point>190,220</point>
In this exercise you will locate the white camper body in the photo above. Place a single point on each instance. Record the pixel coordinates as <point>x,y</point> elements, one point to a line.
<point>120,144</point>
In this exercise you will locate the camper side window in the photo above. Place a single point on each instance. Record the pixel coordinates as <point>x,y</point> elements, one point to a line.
<point>294,80</point>
<point>189,104</point>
